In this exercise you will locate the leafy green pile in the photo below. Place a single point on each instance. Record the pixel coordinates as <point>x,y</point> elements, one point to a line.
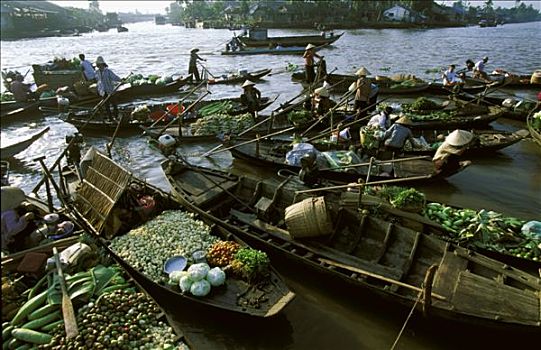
<point>6,96</point>
<point>223,107</point>
<point>298,118</point>
<point>404,84</point>
<point>421,104</point>
<point>222,123</point>
<point>62,63</point>
<point>436,115</point>
<point>399,197</point>
<point>255,263</point>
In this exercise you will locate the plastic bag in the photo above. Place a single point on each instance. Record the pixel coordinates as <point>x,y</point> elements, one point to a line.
<point>532,229</point>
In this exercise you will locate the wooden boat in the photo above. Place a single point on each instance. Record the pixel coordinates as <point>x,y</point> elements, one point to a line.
<point>99,125</point>
<point>517,81</point>
<point>19,276</point>
<point>535,132</point>
<point>341,166</point>
<point>519,112</point>
<point>13,112</point>
<point>375,258</point>
<point>8,151</point>
<point>290,50</point>
<point>133,92</point>
<point>342,82</point>
<point>259,38</point>
<point>462,119</point>
<point>437,88</point>
<point>107,187</point>
<point>239,78</point>
<point>8,106</point>
<point>55,78</point>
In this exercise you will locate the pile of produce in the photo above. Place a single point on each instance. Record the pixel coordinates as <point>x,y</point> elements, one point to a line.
<point>47,94</point>
<point>171,233</point>
<point>223,107</point>
<point>222,253</point>
<point>140,113</point>
<point>421,104</point>
<point>486,229</point>
<point>222,123</point>
<point>245,263</point>
<point>435,115</point>
<point>536,121</point>
<point>153,79</point>
<point>404,84</point>
<point>6,96</point>
<point>398,197</point>
<point>198,280</point>
<point>299,118</point>
<point>61,63</point>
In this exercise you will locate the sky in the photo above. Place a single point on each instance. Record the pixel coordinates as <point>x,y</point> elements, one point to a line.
<point>159,6</point>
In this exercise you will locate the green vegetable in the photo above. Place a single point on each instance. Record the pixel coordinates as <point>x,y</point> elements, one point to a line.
<point>28,307</point>
<point>40,322</point>
<point>49,327</point>
<point>43,311</point>
<point>6,331</point>
<point>14,343</point>
<point>254,262</point>
<point>24,347</point>
<point>31,336</point>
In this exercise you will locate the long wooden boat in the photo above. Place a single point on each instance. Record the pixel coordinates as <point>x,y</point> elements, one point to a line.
<point>461,120</point>
<point>99,125</point>
<point>341,83</point>
<point>55,78</point>
<point>340,165</point>
<point>239,78</point>
<point>17,280</point>
<point>438,88</point>
<point>107,188</point>
<point>536,133</point>
<point>519,112</point>
<point>8,106</point>
<point>12,112</point>
<point>287,41</point>
<point>8,151</point>
<point>512,81</point>
<point>290,50</point>
<point>151,89</point>
<point>376,258</point>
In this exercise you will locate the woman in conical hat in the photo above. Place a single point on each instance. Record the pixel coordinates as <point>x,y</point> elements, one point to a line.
<point>309,63</point>
<point>396,136</point>
<point>192,66</point>
<point>250,97</point>
<point>321,102</point>
<point>12,222</point>
<point>363,93</point>
<point>447,157</point>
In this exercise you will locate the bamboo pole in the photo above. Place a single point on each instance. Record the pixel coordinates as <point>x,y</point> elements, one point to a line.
<point>397,160</point>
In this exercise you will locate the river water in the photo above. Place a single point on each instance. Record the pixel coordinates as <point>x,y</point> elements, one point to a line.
<point>508,181</point>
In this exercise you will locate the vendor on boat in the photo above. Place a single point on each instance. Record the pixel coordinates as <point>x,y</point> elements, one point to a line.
<point>250,97</point>
<point>192,67</point>
<point>397,135</point>
<point>15,218</point>
<point>86,67</point>
<point>450,78</point>
<point>309,54</point>
<point>321,102</point>
<point>106,85</point>
<point>447,157</point>
<point>363,90</point>
<point>381,120</point>
<point>479,70</point>
<point>21,91</point>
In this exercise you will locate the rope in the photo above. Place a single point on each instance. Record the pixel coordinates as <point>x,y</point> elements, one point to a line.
<point>406,321</point>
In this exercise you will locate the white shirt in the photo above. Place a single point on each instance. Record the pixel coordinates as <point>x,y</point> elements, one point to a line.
<point>379,120</point>
<point>88,70</point>
<point>480,66</point>
<point>450,77</point>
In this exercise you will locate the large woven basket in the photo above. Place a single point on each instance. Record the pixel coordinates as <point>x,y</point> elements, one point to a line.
<point>536,77</point>
<point>308,218</point>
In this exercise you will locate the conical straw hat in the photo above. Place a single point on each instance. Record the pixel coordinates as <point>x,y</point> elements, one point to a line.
<point>248,83</point>
<point>362,72</point>
<point>310,46</point>
<point>459,138</point>
<point>100,60</point>
<point>12,197</point>
<point>404,120</point>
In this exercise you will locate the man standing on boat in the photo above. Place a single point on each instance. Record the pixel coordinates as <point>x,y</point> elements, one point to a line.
<point>362,95</point>
<point>250,97</point>
<point>88,70</point>
<point>106,85</point>
<point>479,69</point>
<point>309,54</point>
<point>192,68</point>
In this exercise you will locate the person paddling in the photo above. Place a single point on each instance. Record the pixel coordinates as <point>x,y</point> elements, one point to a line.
<point>106,85</point>
<point>192,68</point>
<point>309,54</point>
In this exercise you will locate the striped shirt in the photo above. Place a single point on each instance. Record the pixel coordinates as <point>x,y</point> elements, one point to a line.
<point>106,79</point>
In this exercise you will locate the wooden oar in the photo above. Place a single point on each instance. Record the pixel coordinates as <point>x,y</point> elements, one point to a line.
<point>70,321</point>
<point>94,111</point>
<point>109,146</point>
<point>177,104</point>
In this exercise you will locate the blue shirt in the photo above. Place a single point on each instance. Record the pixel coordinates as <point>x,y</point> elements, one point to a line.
<point>106,79</point>
<point>397,135</point>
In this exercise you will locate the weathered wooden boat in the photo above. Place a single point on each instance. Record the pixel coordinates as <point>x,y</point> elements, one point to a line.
<point>8,106</point>
<point>12,112</point>
<point>239,78</point>
<point>378,258</point>
<point>514,108</point>
<point>437,88</point>
<point>290,50</point>
<point>100,125</point>
<point>459,119</point>
<point>341,83</point>
<point>341,166</point>
<point>55,78</point>
<point>19,276</point>
<point>107,187</point>
<point>8,151</point>
<point>517,81</point>
<point>533,129</point>
<point>258,37</point>
<point>136,91</point>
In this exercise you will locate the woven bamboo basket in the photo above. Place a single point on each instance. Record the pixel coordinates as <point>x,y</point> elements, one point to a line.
<point>308,218</point>
<point>536,77</point>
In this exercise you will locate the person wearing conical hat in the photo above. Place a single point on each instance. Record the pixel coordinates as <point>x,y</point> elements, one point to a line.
<point>250,97</point>
<point>447,157</point>
<point>13,223</point>
<point>309,54</point>
<point>363,92</point>
<point>192,66</point>
<point>106,80</point>
<point>321,102</point>
<point>396,136</point>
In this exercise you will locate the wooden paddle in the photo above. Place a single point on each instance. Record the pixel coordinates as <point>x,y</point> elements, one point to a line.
<point>70,321</point>
<point>94,111</point>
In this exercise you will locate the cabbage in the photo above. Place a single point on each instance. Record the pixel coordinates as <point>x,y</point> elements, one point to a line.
<point>168,79</point>
<point>198,271</point>
<point>216,277</point>
<point>160,82</point>
<point>185,283</point>
<point>175,276</point>
<point>200,288</point>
